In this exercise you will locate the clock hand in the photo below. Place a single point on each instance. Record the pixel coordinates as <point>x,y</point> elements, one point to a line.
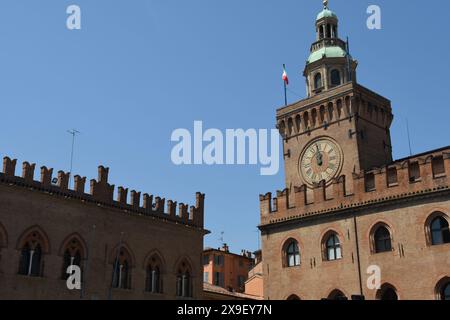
<point>319,157</point>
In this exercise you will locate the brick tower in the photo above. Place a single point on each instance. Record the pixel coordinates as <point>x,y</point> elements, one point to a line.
<point>341,127</point>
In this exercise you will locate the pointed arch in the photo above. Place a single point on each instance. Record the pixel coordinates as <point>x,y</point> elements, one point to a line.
<point>154,267</point>
<point>68,239</point>
<point>33,245</point>
<point>125,249</point>
<point>184,275</point>
<point>74,252</point>
<point>37,233</point>
<point>122,261</point>
<point>337,294</point>
<point>387,292</point>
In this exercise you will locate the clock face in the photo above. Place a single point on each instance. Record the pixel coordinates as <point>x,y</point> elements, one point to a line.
<point>320,160</point>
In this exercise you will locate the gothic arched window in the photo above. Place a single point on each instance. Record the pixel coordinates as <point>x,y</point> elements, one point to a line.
<point>73,256</point>
<point>184,281</point>
<point>335,77</point>
<point>153,281</point>
<point>31,255</point>
<point>333,248</point>
<point>318,81</point>
<point>122,270</point>
<point>440,232</point>
<point>382,240</point>
<point>292,254</point>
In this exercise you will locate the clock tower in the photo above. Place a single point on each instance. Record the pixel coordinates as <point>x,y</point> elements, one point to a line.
<point>341,127</point>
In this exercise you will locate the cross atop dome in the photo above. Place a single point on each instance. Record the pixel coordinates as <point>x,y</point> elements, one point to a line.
<point>325,4</point>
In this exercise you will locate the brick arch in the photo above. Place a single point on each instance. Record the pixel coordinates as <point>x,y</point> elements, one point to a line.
<point>126,250</point>
<point>374,227</point>
<point>324,237</point>
<point>439,286</point>
<point>39,234</point>
<point>155,253</point>
<point>3,236</point>
<point>335,293</point>
<point>386,286</point>
<point>284,245</point>
<point>68,239</point>
<point>293,297</point>
<point>187,266</point>
<point>429,219</point>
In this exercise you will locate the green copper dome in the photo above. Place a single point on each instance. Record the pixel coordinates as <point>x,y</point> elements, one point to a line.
<point>326,13</point>
<point>328,52</point>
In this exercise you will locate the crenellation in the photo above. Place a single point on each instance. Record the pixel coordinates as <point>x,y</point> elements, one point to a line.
<point>122,195</point>
<point>265,204</point>
<point>147,203</point>
<point>171,208</point>
<point>320,192</point>
<point>283,199</point>
<point>183,212</point>
<point>63,181</point>
<point>79,184</point>
<point>159,205</point>
<point>393,180</point>
<point>301,196</point>
<point>446,157</point>
<point>46,176</point>
<point>102,192</point>
<point>339,190</point>
<point>28,171</point>
<point>135,199</point>
<point>9,167</point>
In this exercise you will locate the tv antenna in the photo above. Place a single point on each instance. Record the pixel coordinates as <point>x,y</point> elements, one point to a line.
<point>409,137</point>
<point>72,132</point>
<point>221,237</point>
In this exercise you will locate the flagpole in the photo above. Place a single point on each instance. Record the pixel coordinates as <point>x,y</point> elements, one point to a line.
<point>285,86</point>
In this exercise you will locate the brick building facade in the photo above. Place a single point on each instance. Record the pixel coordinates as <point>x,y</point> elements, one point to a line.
<point>348,206</point>
<point>225,269</point>
<point>125,249</point>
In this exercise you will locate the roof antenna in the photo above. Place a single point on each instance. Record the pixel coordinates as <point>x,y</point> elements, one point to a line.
<point>409,137</point>
<point>349,71</point>
<point>221,237</point>
<point>73,132</point>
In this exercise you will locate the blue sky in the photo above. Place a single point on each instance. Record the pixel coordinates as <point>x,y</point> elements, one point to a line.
<point>140,69</point>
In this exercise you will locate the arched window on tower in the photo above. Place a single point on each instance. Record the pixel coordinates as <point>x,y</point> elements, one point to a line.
<point>318,81</point>
<point>440,232</point>
<point>292,254</point>
<point>333,248</point>
<point>382,240</point>
<point>335,77</point>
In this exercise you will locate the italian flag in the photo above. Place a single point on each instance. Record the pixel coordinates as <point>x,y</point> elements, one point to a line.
<point>285,76</point>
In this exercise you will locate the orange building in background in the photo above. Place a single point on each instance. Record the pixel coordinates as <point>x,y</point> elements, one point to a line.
<point>228,270</point>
